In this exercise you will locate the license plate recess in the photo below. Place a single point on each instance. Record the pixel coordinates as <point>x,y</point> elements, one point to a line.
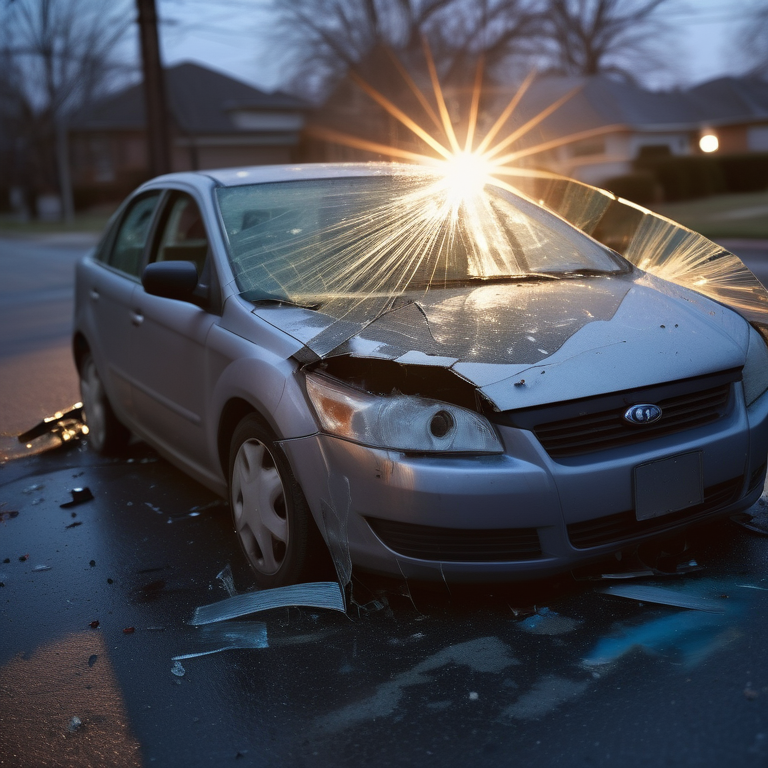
<point>668,485</point>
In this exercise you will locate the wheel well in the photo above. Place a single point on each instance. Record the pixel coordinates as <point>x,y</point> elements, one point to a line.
<point>234,412</point>
<point>79,349</point>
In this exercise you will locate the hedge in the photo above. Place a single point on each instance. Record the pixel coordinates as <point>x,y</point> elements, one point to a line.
<point>685,177</point>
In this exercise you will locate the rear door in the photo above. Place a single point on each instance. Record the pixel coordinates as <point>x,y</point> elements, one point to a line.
<point>168,345</point>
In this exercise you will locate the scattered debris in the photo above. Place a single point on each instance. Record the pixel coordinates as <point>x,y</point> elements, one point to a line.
<point>32,488</point>
<point>473,696</point>
<point>92,563</point>
<point>7,560</point>
<point>227,637</point>
<point>322,594</point>
<point>24,558</point>
<point>95,624</point>
<point>194,511</point>
<point>110,581</point>
<point>39,568</point>
<point>153,508</point>
<point>79,496</point>
<point>92,659</point>
<point>663,596</point>
<point>227,580</point>
<point>8,514</point>
<point>75,724</point>
<point>129,630</point>
<point>548,622</point>
<point>74,525</point>
<point>70,420</point>
<point>177,669</point>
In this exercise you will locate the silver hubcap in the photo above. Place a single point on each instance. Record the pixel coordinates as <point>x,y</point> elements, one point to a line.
<point>92,392</point>
<point>258,504</point>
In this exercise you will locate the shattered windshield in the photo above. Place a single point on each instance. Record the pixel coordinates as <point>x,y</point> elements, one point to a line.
<point>316,241</point>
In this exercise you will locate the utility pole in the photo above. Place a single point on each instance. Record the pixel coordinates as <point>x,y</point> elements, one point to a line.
<point>155,105</point>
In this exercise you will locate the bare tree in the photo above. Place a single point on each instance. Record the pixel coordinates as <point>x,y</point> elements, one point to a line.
<point>588,37</point>
<point>327,38</point>
<point>753,42</point>
<point>56,56</point>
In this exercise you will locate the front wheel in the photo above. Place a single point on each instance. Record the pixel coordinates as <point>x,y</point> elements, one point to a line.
<point>271,516</point>
<point>105,432</point>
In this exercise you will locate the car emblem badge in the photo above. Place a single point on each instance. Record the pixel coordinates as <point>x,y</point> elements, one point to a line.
<point>646,413</point>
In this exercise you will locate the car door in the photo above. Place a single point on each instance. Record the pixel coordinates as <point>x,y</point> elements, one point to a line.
<point>109,289</point>
<point>168,345</point>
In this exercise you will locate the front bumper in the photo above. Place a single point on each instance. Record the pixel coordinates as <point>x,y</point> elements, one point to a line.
<point>519,514</point>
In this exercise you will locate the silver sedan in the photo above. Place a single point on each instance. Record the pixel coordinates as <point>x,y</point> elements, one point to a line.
<point>421,381</point>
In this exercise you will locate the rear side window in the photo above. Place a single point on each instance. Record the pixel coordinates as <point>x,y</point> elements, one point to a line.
<point>132,236</point>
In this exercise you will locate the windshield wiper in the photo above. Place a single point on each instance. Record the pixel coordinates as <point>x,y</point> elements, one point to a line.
<point>257,296</point>
<point>463,281</point>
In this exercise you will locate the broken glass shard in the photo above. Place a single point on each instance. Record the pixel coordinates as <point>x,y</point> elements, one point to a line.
<point>322,594</point>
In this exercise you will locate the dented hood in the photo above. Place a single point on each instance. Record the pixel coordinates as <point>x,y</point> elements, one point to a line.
<point>530,343</point>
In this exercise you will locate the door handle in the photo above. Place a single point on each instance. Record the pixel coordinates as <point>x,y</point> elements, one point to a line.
<point>136,317</point>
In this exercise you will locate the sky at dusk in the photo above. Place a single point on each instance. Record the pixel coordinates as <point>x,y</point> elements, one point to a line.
<point>702,43</point>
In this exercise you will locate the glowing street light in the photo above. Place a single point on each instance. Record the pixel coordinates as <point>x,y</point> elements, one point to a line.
<point>709,143</point>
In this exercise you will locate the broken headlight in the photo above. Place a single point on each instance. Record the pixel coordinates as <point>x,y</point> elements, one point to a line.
<point>399,422</point>
<point>755,372</point>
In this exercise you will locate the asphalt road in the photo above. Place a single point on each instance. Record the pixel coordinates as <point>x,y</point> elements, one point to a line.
<point>553,673</point>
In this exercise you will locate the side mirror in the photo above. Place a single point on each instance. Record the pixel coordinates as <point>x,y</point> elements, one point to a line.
<point>171,280</point>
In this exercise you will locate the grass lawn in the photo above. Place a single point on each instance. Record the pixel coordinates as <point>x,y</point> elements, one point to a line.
<point>735,216</point>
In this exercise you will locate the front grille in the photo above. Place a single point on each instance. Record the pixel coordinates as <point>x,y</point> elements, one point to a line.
<point>623,525</point>
<point>596,424</point>
<point>427,542</point>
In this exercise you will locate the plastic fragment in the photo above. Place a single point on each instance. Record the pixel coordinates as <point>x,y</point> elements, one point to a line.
<point>231,636</point>
<point>39,568</point>
<point>321,594</point>
<point>66,424</point>
<point>23,558</point>
<point>227,580</point>
<point>79,496</point>
<point>129,630</point>
<point>177,669</point>
<point>94,624</point>
<point>75,724</point>
<point>663,596</point>
<point>750,523</point>
<point>32,488</point>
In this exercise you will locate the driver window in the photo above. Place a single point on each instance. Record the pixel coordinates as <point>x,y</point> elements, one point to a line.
<point>183,235</point>
<point>131,238</point>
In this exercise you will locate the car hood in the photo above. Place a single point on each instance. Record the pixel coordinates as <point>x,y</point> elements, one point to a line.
<point>530,343</point>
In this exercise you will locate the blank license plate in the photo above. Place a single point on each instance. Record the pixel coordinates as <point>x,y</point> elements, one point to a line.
<point>668,485</point>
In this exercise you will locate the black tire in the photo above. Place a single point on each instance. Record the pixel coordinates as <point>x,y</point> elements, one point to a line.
<point>271,517</point>
<point>106,435</point>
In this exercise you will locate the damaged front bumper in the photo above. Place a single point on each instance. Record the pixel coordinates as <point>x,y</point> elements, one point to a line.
<point>519,514</point>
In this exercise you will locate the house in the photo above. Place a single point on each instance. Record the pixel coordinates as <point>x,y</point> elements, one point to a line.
<point>215,121</point>
<point>601,127</point>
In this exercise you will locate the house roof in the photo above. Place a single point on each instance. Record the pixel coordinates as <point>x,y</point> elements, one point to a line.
<point>200,101</point>
<point>600,101</point>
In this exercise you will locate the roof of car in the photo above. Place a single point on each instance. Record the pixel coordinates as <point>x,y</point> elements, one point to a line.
<point>260,174</point>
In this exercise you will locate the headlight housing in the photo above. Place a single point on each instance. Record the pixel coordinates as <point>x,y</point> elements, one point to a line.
<point>755,372</point>
<point>399,422</point>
